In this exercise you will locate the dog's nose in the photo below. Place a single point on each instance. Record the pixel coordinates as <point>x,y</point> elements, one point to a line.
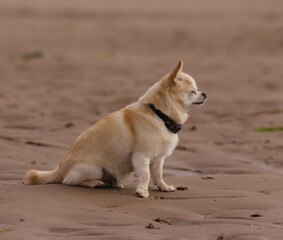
<point>204,94</point>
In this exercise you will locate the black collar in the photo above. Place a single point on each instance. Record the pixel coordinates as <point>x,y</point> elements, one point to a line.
<point>169,123</point>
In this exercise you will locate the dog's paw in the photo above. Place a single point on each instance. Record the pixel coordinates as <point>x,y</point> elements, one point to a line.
<point>142,193</point>
<point>167,188</point>
<point>98,184</point>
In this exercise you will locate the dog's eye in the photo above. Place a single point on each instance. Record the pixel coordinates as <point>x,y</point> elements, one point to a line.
<point>193,92</point>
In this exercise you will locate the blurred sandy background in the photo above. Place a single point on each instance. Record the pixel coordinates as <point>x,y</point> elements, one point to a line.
<point>66,64</point>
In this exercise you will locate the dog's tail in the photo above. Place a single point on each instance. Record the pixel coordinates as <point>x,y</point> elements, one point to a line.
<point>43,177</point>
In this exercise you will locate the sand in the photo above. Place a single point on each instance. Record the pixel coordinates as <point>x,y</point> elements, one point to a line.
<point>66,64</point>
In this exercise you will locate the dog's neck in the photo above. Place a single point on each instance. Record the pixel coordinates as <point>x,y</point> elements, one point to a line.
<point>165,103</point>
<point>172,108</point>
<point>169,123</point>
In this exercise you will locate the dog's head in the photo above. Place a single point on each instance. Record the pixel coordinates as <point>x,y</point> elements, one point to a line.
<point>183,88</point>
<point>175,88</point>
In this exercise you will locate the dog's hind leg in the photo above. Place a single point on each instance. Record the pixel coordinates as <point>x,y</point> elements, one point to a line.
<point>84,174</point>
<point>92,184</point>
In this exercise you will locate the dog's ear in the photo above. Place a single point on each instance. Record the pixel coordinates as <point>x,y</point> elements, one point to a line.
<point>173,76</point>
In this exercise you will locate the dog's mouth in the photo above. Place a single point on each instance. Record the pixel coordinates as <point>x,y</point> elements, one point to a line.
<point>198,103</point>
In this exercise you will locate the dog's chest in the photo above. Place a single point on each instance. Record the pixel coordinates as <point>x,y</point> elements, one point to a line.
<point>166,146</point>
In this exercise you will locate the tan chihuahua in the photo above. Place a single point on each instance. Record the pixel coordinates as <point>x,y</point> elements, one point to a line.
<point>136,138</point>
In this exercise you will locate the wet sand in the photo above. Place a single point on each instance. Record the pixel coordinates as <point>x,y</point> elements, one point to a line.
<point>64,65</point>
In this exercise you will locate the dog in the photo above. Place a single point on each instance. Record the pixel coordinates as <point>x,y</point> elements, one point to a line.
<point>136,139</point>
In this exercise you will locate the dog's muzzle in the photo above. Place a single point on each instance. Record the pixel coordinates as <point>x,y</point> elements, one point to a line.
<point>204,95</point>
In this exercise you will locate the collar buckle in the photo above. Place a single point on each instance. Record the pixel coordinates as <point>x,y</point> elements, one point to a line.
<point>172,126</point>
<point>169,123</point>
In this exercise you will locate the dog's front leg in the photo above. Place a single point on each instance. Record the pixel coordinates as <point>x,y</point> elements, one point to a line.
<point>156,170</point>
<point>141,166</point>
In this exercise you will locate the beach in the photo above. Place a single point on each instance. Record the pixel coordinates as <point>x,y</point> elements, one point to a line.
<point>65,65</point>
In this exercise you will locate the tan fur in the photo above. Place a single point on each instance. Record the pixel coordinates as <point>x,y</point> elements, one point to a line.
<point>131,139</point>
<point>129,120</point>
<point>42,177</point>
